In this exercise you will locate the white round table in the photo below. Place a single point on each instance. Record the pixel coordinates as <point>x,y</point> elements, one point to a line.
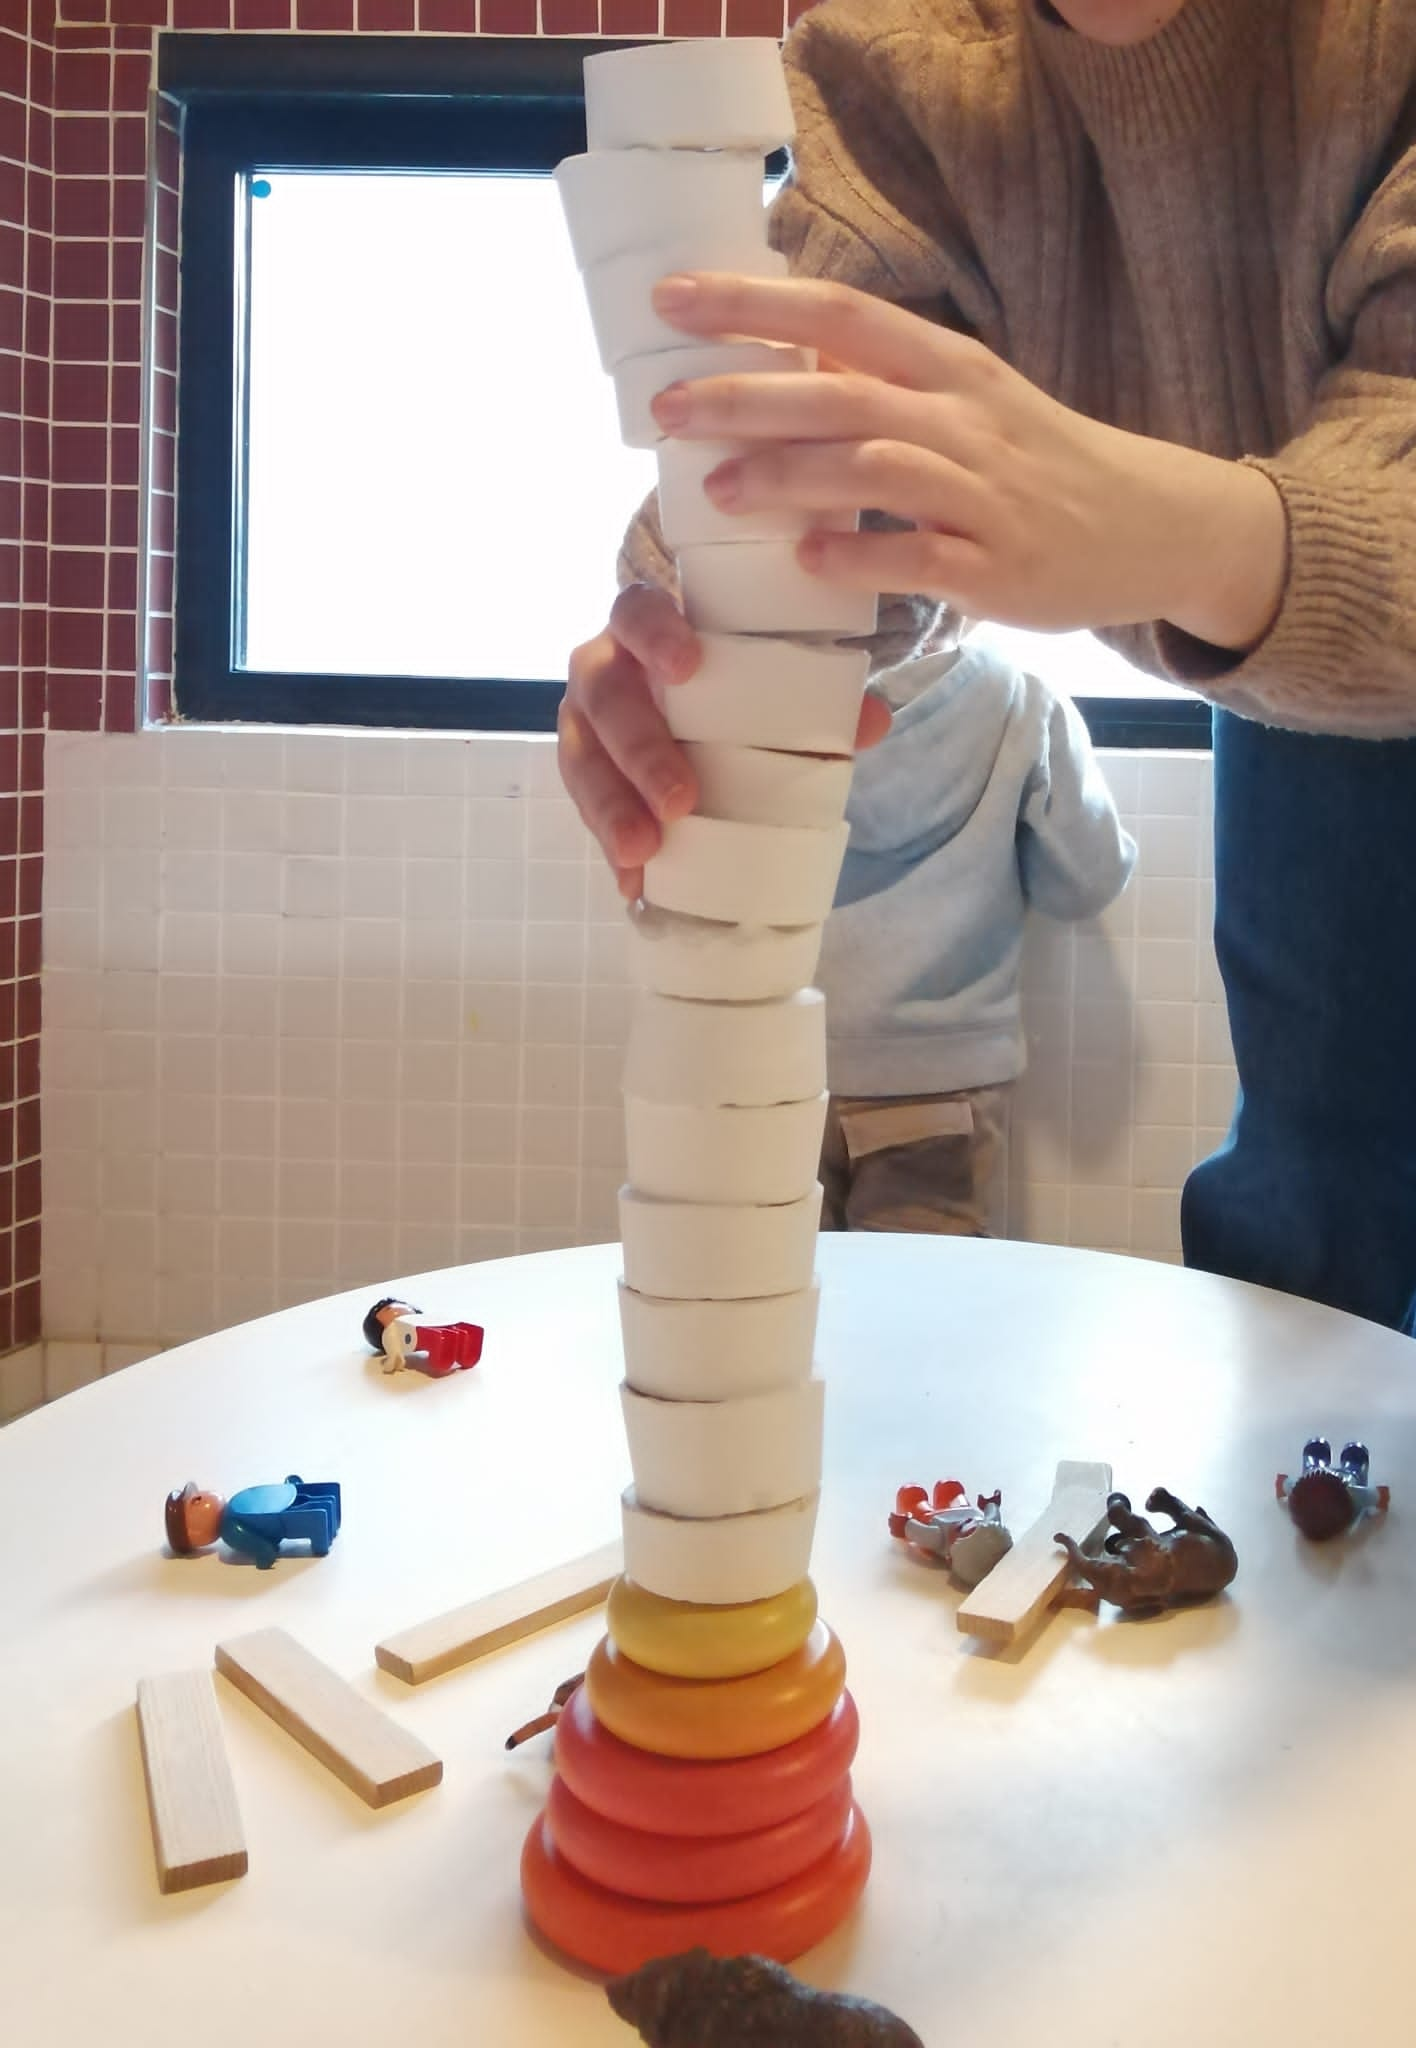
<point>1188,1830</point>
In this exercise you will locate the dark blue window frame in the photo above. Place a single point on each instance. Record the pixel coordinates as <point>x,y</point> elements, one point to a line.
<point>252,103</point>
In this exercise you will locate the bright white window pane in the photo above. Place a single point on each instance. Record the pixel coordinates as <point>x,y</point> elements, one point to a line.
<point>1075,664</point>
<point>436,481</point>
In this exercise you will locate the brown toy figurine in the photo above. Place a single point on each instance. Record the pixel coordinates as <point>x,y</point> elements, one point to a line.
<point>1145,1570</point>
<point>703,2001</point>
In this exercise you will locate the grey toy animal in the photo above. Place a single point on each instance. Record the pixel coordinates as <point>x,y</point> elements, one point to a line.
<point>1145,1570</point>
<point>699,2000</point>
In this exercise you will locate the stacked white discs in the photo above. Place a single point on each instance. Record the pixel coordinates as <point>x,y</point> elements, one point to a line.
<point>725,1074</point>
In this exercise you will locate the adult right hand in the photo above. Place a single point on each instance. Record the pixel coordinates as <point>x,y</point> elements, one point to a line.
<point>625,772</point>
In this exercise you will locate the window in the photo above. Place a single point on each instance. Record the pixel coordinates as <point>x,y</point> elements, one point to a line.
<point>400,478</point>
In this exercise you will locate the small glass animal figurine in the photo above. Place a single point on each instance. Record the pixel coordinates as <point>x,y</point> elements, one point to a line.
<point>969,1540</point>
<point>391,1326</point>
<point>1326,1499</point>
<point>256,1521</point>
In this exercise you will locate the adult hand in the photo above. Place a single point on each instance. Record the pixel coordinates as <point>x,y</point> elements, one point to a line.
<point>1024,512</point>
<point>627,775</point>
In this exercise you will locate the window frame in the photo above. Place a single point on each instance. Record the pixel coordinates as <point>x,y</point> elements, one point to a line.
<point>392,103</point>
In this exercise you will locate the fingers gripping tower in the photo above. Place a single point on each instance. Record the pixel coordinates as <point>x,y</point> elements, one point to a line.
<point>703,1792</point>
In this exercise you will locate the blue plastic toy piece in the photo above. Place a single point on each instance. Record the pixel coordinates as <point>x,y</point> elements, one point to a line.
<point>258,1520</point>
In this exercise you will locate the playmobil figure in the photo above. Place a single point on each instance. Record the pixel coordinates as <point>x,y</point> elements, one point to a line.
<point>256,1521</point>
<point>703,2001</point>
<point>1145,1570</point>
<point>1326,1499</point>
<point>391,1327</point>
<point>969,1540</point>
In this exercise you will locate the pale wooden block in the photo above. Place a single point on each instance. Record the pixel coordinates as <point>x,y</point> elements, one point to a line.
<point>432,1647</point>
<point>1017,1593</point>
<point>709,94</point>
<point>721,963</point>
<point>196,1823</point>
<point>370,1753</point>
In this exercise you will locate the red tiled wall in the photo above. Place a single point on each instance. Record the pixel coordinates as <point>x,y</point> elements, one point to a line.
<point>75,97</point>
<point>26,260</point>
<point>102,88</point>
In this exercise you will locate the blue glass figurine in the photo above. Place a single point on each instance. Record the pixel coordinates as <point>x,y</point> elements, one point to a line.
<point>256,1521</point>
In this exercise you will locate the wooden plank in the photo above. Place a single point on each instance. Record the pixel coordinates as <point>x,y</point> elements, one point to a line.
<point>372,1754</point>
<point>432,1647</point>
<point>196,1822</point>
<point>1025,1583</point>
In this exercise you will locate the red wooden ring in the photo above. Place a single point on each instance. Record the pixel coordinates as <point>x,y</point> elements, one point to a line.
<point>674,1796</point>
<point>692,1869</point>
<point>616,1934</point>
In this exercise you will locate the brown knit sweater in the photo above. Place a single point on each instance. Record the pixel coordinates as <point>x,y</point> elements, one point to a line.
<point>1209,237</point>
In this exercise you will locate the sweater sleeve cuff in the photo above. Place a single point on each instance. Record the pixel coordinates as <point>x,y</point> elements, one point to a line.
<point>1337,608</point>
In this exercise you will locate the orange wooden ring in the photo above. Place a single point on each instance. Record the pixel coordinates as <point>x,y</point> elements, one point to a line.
<point>692,1869</point>
<point>672,1796</point>
<point>723,1717</point>
<point>616,1934</point>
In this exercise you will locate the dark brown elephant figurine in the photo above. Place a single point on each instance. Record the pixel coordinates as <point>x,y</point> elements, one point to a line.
<point>1145,1570</point>
<point>699,2000</point>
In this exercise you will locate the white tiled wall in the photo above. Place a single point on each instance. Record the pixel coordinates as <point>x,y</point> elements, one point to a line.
<point>321,1009</point>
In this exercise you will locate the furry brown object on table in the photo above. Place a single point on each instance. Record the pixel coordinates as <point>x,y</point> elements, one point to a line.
<point>703,2001</point>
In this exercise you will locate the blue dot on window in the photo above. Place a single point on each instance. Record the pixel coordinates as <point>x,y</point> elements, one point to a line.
<point>260,188</point>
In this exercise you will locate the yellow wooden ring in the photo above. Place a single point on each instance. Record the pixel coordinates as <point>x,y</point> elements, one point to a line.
<point>683,1640</point>
<point>720,1717</point>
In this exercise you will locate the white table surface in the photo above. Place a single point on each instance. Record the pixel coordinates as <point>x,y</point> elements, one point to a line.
<point>1189,1830</point>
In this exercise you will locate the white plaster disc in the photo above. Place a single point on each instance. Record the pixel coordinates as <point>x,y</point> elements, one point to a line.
<point>770,693</point>
<point>746,874</point>
<point>760,587</point>
<point>739,1054</point>
<point>619,199</point>
<point>722,94</point>
<point>699,1251</point>
<point>728,963</point>
<point>619,290</point>
<point>757,786</point>
<point>640,379</point>
<point>720,1563</point>
<point>689,518</point>
<point>690,1152</point>
<point>711,1458</point>
<point>713,1350</point>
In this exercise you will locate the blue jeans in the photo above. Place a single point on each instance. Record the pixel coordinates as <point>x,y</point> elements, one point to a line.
<point>1314,1190</point>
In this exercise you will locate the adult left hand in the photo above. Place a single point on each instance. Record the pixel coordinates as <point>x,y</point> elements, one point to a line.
<point>1024,512</point>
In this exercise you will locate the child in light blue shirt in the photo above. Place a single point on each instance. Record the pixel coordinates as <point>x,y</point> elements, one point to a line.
<point>984,800</point>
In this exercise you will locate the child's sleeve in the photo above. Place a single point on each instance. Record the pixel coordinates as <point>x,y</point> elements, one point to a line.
<point>1073,856</point>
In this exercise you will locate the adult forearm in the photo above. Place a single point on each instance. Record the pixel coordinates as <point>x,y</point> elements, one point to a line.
<point>1231,551</point>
